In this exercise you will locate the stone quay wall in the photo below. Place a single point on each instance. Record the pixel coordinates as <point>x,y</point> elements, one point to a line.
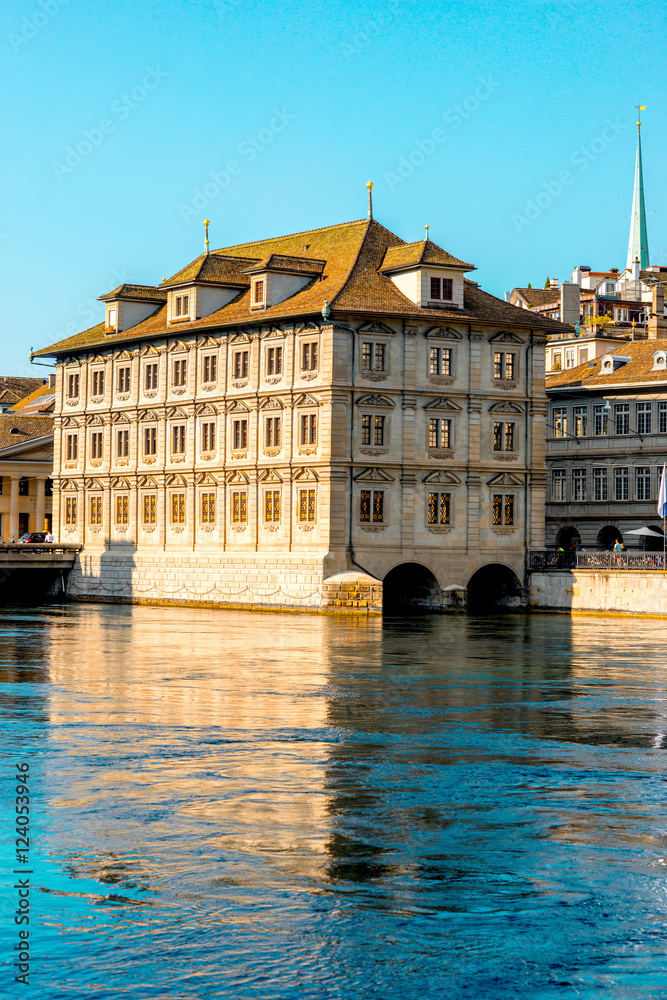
<point>620,591</point>
<point>293,582</point>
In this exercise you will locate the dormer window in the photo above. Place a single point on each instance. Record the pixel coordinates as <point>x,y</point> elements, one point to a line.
<point>182,307</point>
<point>611,362</point>
<point>111,318</point>
<point>258,292</point>
<point>442,289</point>
<point>659,361</point>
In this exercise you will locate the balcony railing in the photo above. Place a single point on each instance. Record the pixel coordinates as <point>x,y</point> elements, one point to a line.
<point>548,559</point>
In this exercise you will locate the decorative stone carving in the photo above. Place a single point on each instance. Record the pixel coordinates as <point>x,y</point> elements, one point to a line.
<point>121,397</point>
<point>439,529</point>
<point>306,527</point>
<point>504,384</point>
<point>95,464</point>
<point>150,393</point>
<point>177,528</point>
<point>309,376</point>
<point>307,451</point>
<point>272,379</point>
<point>239,527</point>
<point>504,531</point>
<point>123,461</point>
<point>96,399</point>
<point>207,458</point>
<point>70,465</point>
<point>272,452</point>
<point>436,380</point>
<point>240,384</point>
<point>148,527</point>
<point>209,387</point>
<point>374,377</point>
<point>72,402</point>
<point>507,458</point>
<point>441,454</point>
<point>270,527</point>
<point>374,451</point>
<point>372,527</point>
<point>178,458</point>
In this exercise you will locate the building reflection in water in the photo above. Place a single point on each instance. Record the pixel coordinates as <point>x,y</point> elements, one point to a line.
<point>286,781</point>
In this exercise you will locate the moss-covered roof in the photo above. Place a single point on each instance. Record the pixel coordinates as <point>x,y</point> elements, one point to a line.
<point>19,430</point>
<point>351,282</point>
<point>142,293</point>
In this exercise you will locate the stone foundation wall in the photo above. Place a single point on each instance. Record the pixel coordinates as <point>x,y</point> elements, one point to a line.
<point>293,582</point>
<point>632,592</point>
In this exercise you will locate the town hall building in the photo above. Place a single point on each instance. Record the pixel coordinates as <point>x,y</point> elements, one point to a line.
<point>297,421</point>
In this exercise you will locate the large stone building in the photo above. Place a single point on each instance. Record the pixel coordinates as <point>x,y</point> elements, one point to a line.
<point>282,417</point>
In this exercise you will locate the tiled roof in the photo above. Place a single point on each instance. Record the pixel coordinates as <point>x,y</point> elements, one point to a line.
<point>539,296</point>
<point>14,387</point>
<point>144,293</point>
<point>351,282</point>
<point>29,428</point>
<point>281,262</point>
<point>39,401</point>
<point>422,252</point>
<point>637,369</point>
<point>215,268</point>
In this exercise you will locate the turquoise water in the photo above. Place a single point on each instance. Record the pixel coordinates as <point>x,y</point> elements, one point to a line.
<point>285,806</point>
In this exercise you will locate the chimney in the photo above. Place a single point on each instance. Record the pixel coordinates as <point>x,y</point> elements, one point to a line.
<point>657,324</point>
<point>570,308</point>
<point>635,269</point>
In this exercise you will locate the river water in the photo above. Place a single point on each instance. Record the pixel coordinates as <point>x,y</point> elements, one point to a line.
<point>271,806</point>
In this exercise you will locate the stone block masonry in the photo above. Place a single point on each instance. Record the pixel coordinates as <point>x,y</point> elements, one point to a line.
<point>625,592</point>
<point>222,580</point>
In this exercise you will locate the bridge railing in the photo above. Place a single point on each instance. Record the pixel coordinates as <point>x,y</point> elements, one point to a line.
<point>548,559</point>
<point>37,548</point>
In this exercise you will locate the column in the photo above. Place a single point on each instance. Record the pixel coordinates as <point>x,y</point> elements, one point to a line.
<point>40,505</point>
<point>14,509</point>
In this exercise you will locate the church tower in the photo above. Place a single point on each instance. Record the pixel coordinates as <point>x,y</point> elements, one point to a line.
<point>638,246</point>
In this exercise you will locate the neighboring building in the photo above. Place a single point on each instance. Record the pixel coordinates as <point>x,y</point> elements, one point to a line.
<point>605,307</point>
<point>26,464</point>
<point>39,402</point>
<point>606,446</point>
<point>15,388</point>
<point>284,411</point>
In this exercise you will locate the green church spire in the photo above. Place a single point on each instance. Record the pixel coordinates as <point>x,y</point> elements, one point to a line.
<point>638,246</point>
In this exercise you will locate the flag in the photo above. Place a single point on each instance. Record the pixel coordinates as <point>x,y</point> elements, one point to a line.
<point>642,107</point>
<point>662,496</point>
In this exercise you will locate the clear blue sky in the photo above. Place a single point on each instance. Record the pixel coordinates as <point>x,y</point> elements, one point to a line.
<point>307,101</point>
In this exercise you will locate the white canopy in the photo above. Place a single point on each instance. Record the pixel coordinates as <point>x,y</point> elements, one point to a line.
<point>649,532</point>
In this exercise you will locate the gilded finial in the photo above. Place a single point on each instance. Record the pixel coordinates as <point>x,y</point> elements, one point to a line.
<point>640,108</point>
<point>427,229</point>
<point>370,199</point>
<point>206,242</point>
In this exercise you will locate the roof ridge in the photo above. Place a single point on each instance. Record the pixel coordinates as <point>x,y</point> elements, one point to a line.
<point>285,236</point>
<point>369,223</point>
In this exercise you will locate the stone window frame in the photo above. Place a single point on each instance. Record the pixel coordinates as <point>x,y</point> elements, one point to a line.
<point>439,493</point>
<point>373,340</point>
<point>243,509</point>
<point>503,355</point>
<point>121,508</point>
<point>373,491</point>
<point>276,422</point>
<point>149,507</point>
<point>309,362</point>
<point>123,377</point>
<point>96,443</point>
<point>71,446</point>
<point>240,418</point>
<point>559,476</point>
<point>73,384</point>
<point>178,442</point>
<point>307,488</point>
<point>579,484</point>
<point>96,509</point>
<point>373,427</point>
<point>438,350</point>
<point>178,505</point>
<point>150,367</point>
<point>209,359</point>
<point>600,478</point>
<point>504,435</point>
<point>207,495</point>
<point>272,491</point>
<point>274,355</point>
<point>208,420</point>
<point>508,502</point>
<point>70,510</point>
<point>238,353</point>
<point>97,382</point>
<point>149,437</point>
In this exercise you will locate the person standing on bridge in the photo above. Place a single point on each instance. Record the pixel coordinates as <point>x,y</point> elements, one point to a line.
<point>49,537</point>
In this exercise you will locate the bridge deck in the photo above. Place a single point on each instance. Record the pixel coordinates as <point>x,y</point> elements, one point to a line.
<point>38,556</point>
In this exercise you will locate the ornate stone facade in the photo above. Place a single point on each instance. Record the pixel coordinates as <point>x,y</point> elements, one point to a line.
<point>246,462</point>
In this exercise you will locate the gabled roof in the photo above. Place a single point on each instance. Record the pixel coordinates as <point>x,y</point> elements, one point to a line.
<point>213,268</point>
<point>398,258</point>
<point>40,401</point>
<point>352,282</point>
<point>143,293</point>
<point>637,370</point>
